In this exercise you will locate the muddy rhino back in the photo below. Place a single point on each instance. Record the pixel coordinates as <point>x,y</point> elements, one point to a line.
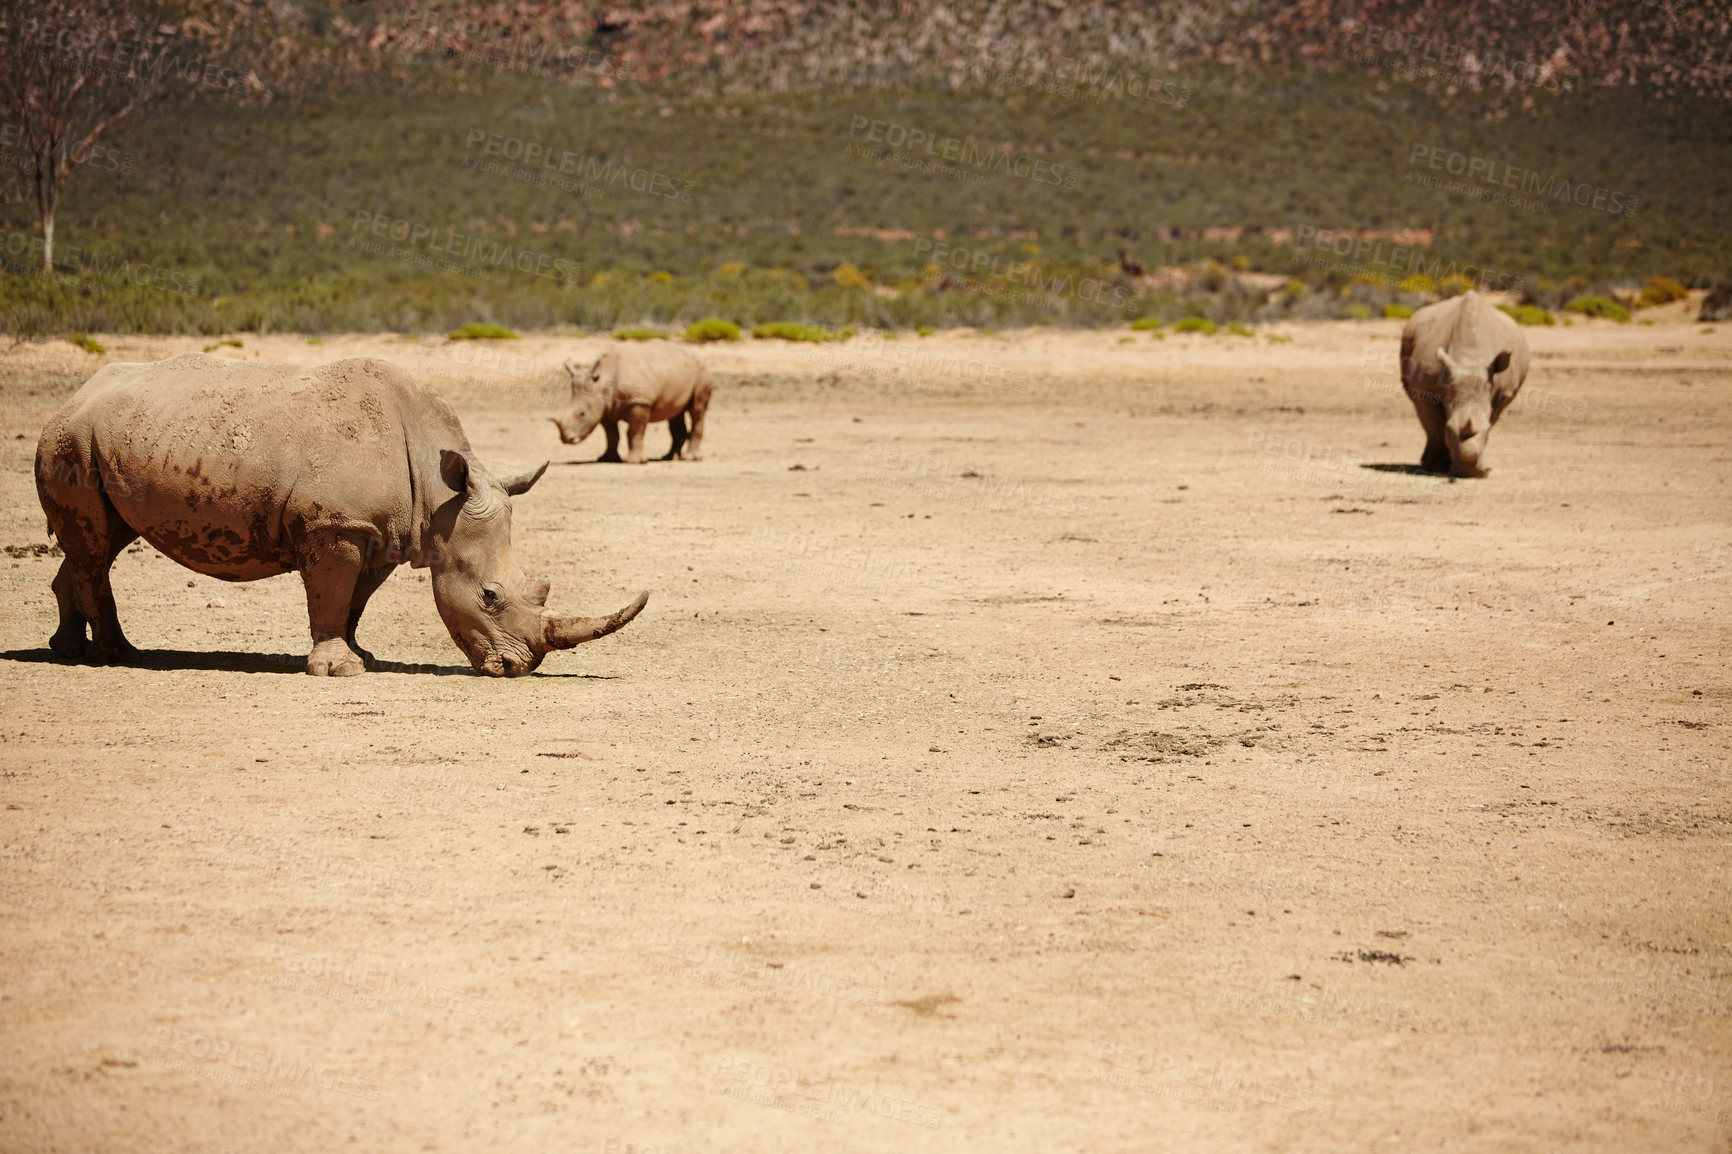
<point>229,467</point>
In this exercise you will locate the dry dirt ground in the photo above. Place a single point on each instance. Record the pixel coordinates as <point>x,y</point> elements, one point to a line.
<point>1034,742</point>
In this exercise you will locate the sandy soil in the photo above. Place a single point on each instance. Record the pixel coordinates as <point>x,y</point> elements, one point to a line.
<point>1034,742</point>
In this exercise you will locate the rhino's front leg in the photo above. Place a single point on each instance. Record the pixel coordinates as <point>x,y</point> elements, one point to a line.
<point>331,571</point>
<point>637,422</point>
<point>610,429</point>
<point>365,586</point>
<point>1435,457</point>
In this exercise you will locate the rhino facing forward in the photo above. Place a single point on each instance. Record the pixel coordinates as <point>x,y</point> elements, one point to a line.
<point>1462,363</point>
<point>340,473</point>
<point>638,385</point>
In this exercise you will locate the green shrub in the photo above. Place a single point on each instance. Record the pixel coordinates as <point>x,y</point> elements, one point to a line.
<point>1417,283</point>
<point>315,340</point>
<point>732,270</point>
<point>89,345</point>
<point>478,331</point>
<point>1592,306</point>
<point>1240,330</point>
<point>1528,314</point>
<point>847,276</point>
<point>1659,291</point>
<point>712,329</point>
<point>1397,312</point>
<point>792,331</point>
<point>1127,340</point>
<point>1358,312</point>
<point>229,343</point>
<point>1197,325</point>
<point>1145,324</point>
<point>640,335</point>
<point>924,331</point>
<point>1278,339</point>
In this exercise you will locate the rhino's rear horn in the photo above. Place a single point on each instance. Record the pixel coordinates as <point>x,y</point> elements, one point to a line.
<point>564,632</point>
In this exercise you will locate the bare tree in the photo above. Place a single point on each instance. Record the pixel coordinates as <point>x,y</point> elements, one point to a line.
<point>71,70</point>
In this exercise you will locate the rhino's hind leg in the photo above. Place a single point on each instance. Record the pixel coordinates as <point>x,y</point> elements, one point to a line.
<point>91,534</point>
<point>365,586</point>
<point>677,428</point>
<point>331,571</point>
<point>694,449</point>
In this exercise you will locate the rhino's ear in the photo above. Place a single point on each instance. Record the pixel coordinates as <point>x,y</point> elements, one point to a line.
<point>1500,364</point>
<point>522,482</point>
<point>464,474</point>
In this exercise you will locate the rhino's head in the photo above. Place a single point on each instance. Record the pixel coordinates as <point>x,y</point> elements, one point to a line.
<point>496,614</point>
<point>590,389</point>
<point>1468,405</point>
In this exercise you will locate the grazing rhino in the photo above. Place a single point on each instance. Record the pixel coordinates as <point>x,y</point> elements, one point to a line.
<point>639,385</point>
<point>245,470</point>
<point>1462,363</point>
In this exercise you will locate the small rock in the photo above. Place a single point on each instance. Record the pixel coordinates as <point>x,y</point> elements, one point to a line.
<point>214,603</point>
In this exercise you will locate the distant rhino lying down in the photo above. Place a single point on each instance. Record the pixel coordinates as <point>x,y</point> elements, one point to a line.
<point>638,384</point>
<point>339,473</point>
<point>1462,363</point>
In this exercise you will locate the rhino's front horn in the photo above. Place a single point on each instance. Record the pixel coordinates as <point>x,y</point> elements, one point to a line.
<point>564,632</point>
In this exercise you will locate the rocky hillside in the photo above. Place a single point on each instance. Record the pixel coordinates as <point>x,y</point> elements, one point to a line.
<point>725,46</point>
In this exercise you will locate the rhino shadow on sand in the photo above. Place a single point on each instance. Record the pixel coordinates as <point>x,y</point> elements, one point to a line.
<point>234,661</point>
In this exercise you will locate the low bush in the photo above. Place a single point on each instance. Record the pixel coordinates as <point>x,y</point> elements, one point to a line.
<point>479,331</point>
<point>1417,283</point>
<point>230,343</point>
<point>712,329</point>
<point>1661,290</point>
<point>1397,312</point>
<point>1592,306</point>
<point>1239,330</point>
<point>1197,325</point>
<point>640,335</point>
<point>1145,324</point>
<point>1528,314</point>
<point>792,331</point>
<point>90,345</point>
<point>1358,312</point>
